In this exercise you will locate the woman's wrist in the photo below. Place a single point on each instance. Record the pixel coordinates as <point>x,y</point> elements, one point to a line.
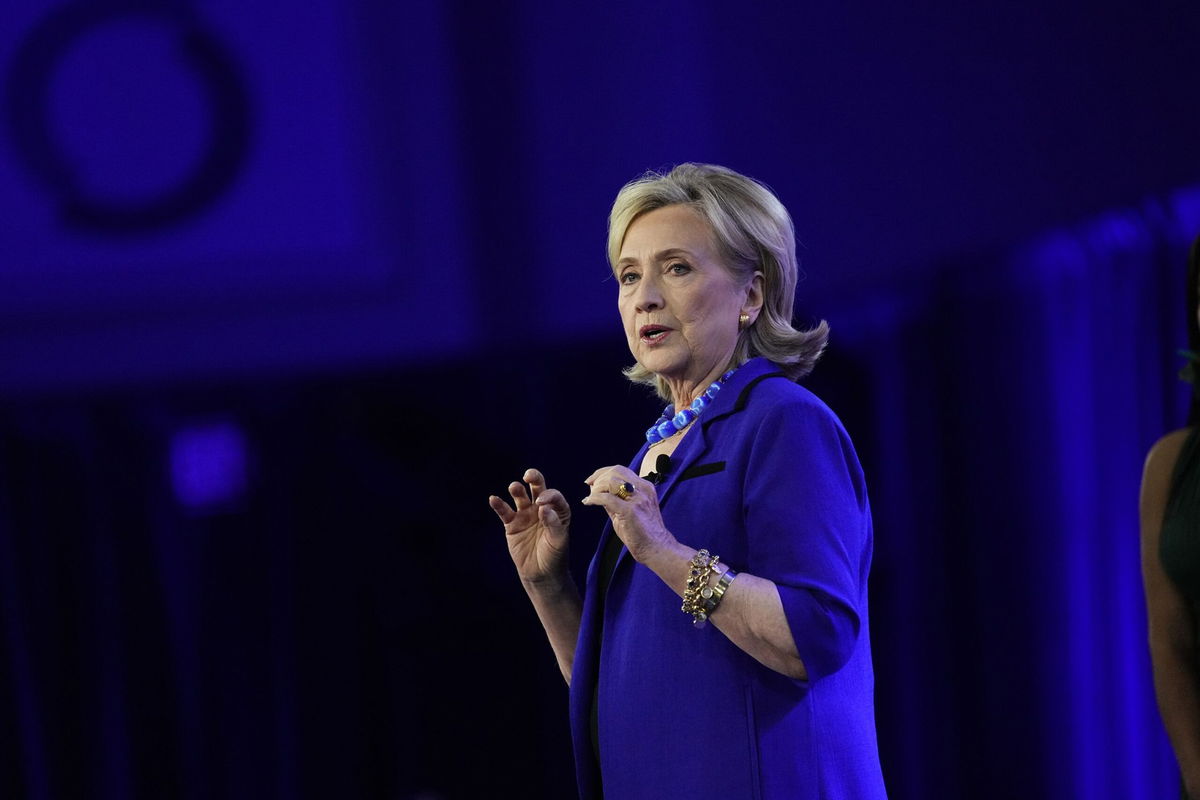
<point>550,585</point>
<point>669,560</point>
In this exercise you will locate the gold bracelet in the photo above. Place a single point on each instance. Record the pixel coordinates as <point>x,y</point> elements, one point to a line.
<point>697,591</point>
<point>693,581</point>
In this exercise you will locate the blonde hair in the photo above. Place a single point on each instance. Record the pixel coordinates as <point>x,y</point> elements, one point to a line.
<point>753,232</point>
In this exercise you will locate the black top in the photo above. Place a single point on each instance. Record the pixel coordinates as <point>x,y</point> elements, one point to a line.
<point>1179,543</point>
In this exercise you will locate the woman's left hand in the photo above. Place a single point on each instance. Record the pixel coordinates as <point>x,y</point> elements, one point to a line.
<point>637,520</point>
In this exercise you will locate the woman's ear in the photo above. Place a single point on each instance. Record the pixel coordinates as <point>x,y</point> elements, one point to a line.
<point>754,297</point>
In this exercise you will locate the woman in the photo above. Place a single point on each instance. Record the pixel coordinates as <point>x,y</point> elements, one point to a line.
<point>1170,522</point>
<point>750,506</point>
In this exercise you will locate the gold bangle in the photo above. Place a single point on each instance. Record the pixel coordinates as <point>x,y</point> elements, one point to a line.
<point>717,594</point>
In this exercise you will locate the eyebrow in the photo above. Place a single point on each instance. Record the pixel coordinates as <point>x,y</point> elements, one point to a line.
<point>661,255</point>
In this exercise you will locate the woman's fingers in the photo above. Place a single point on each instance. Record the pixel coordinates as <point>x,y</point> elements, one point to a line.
<point>606,480</point>
<point>502,509</point>
<point>552,508</point>
<point>591,480</point>
<point>600,491</point>
<point>554,511</point>
<point>523,498</point>
<point>554,499</point>
<point>520,496</point>
<point>537,483</point>
<point>606,496</point>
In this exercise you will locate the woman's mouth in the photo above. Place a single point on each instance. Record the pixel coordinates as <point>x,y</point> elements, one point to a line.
<point>653,334</point>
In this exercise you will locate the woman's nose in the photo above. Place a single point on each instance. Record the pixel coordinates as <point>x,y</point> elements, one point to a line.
<point>648,296</point>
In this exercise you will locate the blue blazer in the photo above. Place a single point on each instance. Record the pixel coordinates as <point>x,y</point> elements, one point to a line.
<point>769,481</point>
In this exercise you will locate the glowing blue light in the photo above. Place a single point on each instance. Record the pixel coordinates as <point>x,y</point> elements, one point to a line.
<point>209,466</point>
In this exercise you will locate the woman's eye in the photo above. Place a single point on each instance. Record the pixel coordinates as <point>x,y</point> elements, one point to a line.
<point>628,277</point>
<point>679,268</point>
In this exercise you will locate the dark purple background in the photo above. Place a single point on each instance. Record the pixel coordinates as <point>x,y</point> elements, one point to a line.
<point>244,452</point>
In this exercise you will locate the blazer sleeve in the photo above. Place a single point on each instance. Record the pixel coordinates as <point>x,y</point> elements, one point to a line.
<point>808,529</point>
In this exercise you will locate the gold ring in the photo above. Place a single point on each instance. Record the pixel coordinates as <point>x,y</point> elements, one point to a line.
<point>624,491</point>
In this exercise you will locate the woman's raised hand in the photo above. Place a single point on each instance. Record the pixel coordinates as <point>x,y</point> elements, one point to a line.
<point>535,526</point>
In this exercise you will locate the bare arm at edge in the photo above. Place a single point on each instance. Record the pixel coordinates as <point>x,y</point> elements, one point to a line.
<point>1171,623</point>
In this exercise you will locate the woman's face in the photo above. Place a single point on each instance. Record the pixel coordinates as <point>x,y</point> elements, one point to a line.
<point>679,304</point>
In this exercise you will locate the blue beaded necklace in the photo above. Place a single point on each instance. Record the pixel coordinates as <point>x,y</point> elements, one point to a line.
<point>671,423</point>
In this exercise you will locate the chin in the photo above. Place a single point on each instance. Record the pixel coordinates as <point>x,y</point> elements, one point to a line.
<point>664,367</point>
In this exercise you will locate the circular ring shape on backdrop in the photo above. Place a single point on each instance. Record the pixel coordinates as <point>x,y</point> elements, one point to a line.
<point>48,44</point>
